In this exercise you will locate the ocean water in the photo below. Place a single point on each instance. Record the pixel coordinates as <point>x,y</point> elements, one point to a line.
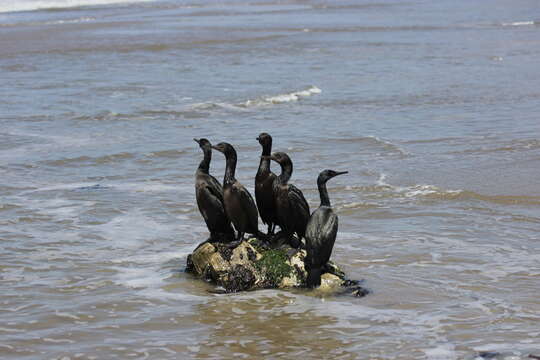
<point>432,106</point>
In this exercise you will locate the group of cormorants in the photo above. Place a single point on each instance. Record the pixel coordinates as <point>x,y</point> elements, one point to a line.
<point>278,202</point>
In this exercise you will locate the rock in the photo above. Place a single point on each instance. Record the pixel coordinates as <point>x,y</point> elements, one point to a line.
<point>488,354</point>
<point>330,283</point>
<point>238,279</point>
<point>206,259</point>
<point>359,291</point>
<point>252,265</point>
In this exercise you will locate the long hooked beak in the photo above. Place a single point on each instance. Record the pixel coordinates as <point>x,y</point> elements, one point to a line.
<point>196,140</point>
<point>341,172</point>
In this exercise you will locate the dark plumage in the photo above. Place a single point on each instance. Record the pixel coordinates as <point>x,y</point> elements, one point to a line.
<point>239,205</point>
<point>291,205</point>
<point>321,232</point>
<point>209,194</point>
<point>264,185</point>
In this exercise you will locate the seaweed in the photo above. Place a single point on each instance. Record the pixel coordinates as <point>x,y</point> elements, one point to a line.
<point>273,264</point>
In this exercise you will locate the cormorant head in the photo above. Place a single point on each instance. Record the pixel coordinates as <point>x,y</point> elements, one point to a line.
<point>225,148</point>
<point>203,143</point>
<point>264,139</point>
<point>326,175</point>
<point>281,158</point>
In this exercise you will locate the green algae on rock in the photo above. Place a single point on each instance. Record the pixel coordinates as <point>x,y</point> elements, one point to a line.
<point>273,264</point>
<point>251,265</point>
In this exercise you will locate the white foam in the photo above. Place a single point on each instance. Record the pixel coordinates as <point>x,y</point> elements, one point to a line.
<point>262,101</point>
<point>278,99</point>
<point>134,229</point>
<point>356,204</point>
<point>283,98</point>
<point>71,21</point>
<point>149,281</point>
<point>58,208</point>
<point>67,315</point>
<point>381,180</point>
<point>2,329</point>
<point>155,258</point>
<point>519,23</point>
<point>138,277</point>
<point>418,190</point>
<point>422,190</point>
<point>294,96</point>
<point>441,352</point>
<point>29,5</point>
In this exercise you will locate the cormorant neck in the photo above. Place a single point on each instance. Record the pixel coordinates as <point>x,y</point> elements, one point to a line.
<point>204,166</point>
<point>264,164</point>
<point>323,193</point>
<point>267,149</point>
<point>230,168</point>
<point>286,172</point>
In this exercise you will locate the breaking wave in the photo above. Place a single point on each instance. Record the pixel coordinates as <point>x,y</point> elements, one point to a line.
<point>31,5</point>
<point>201,109</point>
<point>283,98</point>
<point>261,101</point>
<point>519,23</point>
<point>382,189</point>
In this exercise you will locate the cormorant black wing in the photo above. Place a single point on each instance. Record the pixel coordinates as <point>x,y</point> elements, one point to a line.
<point>215,187</point>
<point>301,209</point>
<point>248,205</point>
<point>211,208</point>
<point>321,234</point>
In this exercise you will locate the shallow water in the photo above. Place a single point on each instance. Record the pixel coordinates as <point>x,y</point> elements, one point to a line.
<point>432,107</point>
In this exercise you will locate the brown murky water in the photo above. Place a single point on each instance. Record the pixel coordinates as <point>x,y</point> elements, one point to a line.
<point>432,107</point>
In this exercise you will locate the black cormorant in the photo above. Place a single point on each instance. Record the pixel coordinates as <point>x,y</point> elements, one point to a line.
<point>239,205</point>
<point>291,206</point>
<point>209,194</point>
<point>321,232</point>
<point>264,185</point>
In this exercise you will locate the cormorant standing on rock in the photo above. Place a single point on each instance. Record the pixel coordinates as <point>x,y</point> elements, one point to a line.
<point>291,205</point>
<point>239,205</point>
<point>209,194</point>
<point>264,185</point>
<point>321,232</point>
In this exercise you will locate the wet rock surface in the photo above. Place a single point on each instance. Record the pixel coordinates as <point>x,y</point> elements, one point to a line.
<point>251,265</point>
